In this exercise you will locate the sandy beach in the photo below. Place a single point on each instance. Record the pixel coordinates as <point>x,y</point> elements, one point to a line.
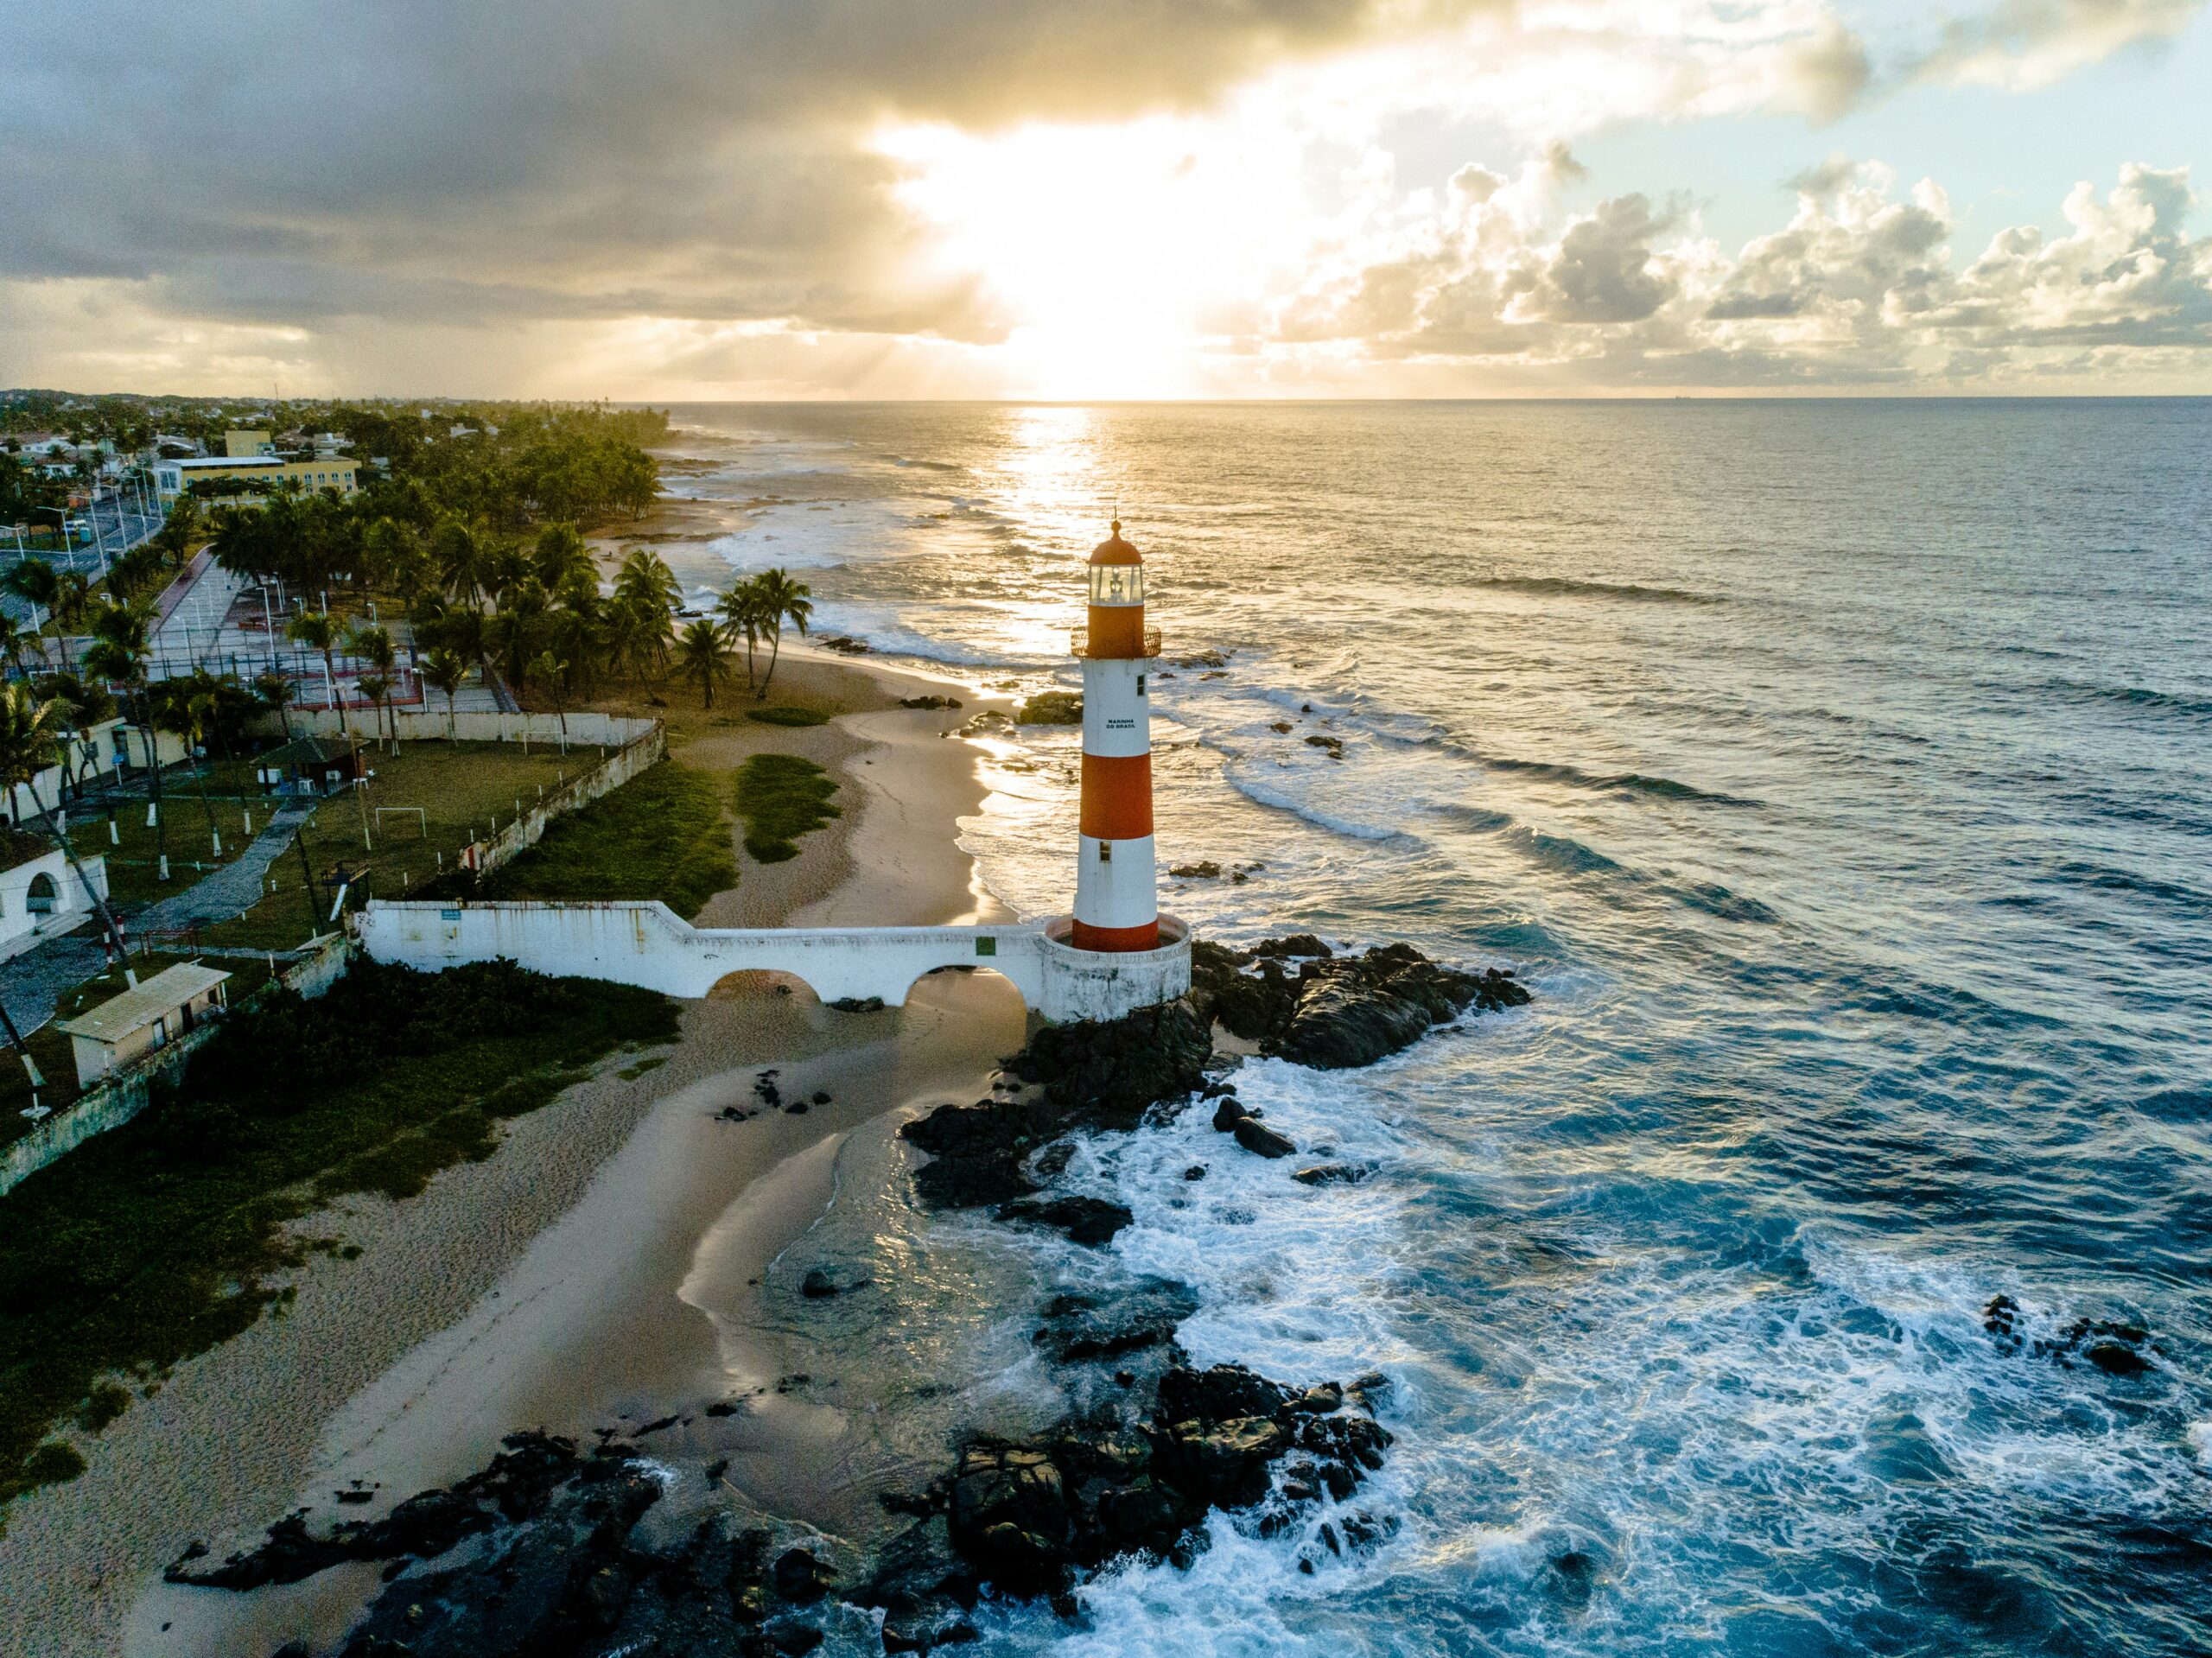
<point>592,1273</point>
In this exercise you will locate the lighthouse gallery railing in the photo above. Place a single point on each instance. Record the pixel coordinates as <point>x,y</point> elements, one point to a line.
<point>1079,643</point>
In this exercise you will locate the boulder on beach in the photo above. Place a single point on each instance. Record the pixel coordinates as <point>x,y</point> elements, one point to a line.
<point>1091,1221</point>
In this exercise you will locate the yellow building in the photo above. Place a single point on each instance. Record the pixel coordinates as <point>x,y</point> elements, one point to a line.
<point>249,480</point>
<point>244,446</point>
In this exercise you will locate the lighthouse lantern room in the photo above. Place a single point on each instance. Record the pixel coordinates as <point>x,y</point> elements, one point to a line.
<point>1116,897</point>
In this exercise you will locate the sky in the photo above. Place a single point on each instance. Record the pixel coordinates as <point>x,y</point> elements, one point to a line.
<point>689,201</point>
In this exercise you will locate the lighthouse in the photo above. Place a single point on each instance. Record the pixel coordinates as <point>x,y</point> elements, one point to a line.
<point>1116,901</point>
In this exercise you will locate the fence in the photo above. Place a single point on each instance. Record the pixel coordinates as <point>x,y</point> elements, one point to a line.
<point>583,730</point>
<point>122,1095</point>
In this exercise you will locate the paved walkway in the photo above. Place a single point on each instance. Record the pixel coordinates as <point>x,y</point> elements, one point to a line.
<point>33,984</point>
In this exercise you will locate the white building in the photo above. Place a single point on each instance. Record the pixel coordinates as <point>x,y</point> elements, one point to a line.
<point>42,896</point>
<point>134,1024</point>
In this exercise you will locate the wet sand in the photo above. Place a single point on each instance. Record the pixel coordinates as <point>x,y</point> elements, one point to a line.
<point>547,1285</point>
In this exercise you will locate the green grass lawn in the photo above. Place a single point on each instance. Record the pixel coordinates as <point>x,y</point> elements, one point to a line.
<point>781,796</point>
<point>660,835</point>
<point>788,716</point>
<point>164,1237</point>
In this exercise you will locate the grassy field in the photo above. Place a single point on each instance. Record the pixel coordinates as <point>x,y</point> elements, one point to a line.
<point>162,1238</point>
<point>120,834</point>
<point>463,790</point>
<point>660,835</point>
<point>781,796</point>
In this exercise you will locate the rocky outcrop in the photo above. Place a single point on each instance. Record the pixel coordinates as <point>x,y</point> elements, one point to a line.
<point>1027,1515</point>
<point>1106,1075</point>
<point>2117,1348</point>
<point>1297,999</point>
<point>563,1568</point>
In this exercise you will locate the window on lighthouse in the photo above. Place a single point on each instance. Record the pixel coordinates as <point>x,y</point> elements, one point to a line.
<point>1105,852</point>
<point>1117,584</point>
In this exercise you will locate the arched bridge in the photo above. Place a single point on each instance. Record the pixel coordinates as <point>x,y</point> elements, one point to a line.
<point>648,945</point>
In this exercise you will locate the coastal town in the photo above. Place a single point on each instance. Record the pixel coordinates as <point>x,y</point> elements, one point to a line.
<point>368,814</point>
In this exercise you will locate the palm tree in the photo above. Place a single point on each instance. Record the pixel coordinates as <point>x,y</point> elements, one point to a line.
<point>560,554</point>
<point>376,688</point>
<point>699,656</point>
<point>278,691</point>
<point>460,555</point>
<point>782,598</point>
<point>373,645</point>
<point>744,619</point>
<point>648,587</point>
<point>444,670</point>
<point>30,741</point>
<point>189,711</point>
<point>515,629</point>
<point>35,582</point>
<point>318,630</point>
<point>122,646</point>
<point>553,671</point>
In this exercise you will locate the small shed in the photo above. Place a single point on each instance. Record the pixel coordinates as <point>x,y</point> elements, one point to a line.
<point>310,766</point>
<point>138,1021</point>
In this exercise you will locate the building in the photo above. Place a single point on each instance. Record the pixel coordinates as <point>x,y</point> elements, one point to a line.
<point>42,895</point>
<point>310,766</point>
<point>1116,887</point>
<point>248,480</point>
<point>247,446</point>
<point>140,1020</point>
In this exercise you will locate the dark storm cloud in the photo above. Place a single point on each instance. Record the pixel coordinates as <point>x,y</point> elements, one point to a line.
<point>420,161</point>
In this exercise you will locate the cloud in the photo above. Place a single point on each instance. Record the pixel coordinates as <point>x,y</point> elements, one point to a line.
<point>1860,288</point>
<point>2019,44</point>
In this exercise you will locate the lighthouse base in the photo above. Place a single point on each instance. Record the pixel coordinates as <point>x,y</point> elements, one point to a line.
<point>1080,984</point>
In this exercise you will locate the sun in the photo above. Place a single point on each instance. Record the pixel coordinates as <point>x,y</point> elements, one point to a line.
<point>1114,250</point>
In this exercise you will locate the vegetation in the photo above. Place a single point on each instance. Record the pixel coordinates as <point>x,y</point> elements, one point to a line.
<point>660,835</point>
<point>160,1239</point>
<point>788,716</point>
<point>781,796</point>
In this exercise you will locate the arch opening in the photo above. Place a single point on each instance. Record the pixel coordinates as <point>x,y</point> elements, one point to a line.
<point>42,895</point>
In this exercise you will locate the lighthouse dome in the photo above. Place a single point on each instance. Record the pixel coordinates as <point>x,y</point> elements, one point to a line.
<point>1113,549</point>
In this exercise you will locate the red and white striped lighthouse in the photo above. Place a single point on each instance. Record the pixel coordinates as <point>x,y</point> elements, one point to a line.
<point>1116,901</point>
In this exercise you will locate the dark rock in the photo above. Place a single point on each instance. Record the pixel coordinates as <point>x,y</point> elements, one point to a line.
<point>1010,1515</point>
<point>1206,869</point>
<point>355,1497</point>
<point>660,1426</point>
<point>1330,1174</point>
<point>930,702</point>
<point>802,1579</point>
<point>1229,1114</point>
<point>722,1407</point>
<point>1336,1011</point>
<point>1257,1138</point>
<point>1196,1172</point>
<point>1291,945</point>
<point>794,1640</point>
<point>1110,1073</point>
<point>1080,1327</point>
<point>1091,1221</point>
<point>2116,1358</point>
<point>795,1109</point>
<point>1332,747</point>
<point>821,1096</point>
<point>858,1004</point>
<point>817,1286</point>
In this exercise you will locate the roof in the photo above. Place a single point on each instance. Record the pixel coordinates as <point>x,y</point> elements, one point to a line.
<point>204,463</point>
<point>1113,549</point>
<point>134,1010</point>
<point>307,750</point>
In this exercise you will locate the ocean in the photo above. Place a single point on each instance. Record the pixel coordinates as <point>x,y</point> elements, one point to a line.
<point>1839,774</point>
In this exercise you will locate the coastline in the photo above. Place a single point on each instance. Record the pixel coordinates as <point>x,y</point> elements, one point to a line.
<point>544,1281</point>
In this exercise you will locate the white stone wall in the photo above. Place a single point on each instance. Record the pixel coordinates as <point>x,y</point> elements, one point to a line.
<point>648,945</point>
